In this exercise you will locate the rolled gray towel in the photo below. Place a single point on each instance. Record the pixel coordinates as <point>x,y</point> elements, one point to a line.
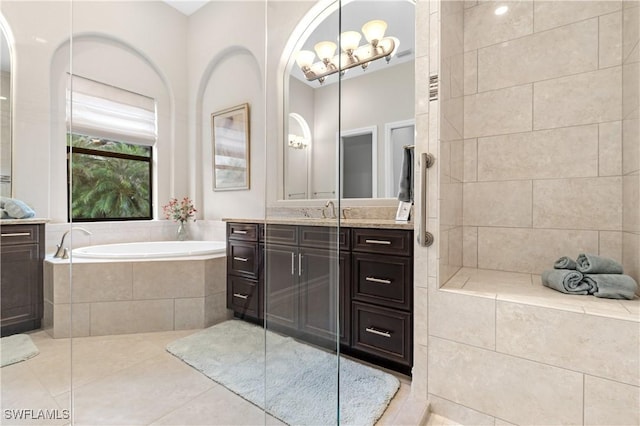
<point>611,286</point>
<point>565,263</point>
<point>592,264</point>
<point>565,280</point>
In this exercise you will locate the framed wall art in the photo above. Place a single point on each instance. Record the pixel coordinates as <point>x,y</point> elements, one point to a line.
<point>231,141</point>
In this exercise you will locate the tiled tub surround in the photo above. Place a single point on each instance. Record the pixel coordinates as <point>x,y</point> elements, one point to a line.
<point>120,297</point>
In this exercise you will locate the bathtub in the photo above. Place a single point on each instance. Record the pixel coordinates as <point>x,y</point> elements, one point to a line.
<point>151,250</point>
<point>135,288</point>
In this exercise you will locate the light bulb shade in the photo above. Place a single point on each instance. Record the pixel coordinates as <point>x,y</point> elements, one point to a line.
<point>374,30</point>
<point>349,40</point>
<point>305,58</point>
<point>396,45</point>
<point>325,50</point>
<point>389,46</point>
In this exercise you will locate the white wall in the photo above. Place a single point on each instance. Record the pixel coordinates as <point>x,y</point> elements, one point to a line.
<point>127,44</point>
<point>226,68</point>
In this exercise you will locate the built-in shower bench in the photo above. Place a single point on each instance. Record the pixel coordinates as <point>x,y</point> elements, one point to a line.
<point>501,338</point>
<point>527,289</point>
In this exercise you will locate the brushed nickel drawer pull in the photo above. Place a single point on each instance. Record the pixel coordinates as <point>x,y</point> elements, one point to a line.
<point>386,334</point>
<point>382,242</point>
<point>235,231</point>
<point>378,280</point>
<point>293,265</point>
<point>241,296</point>
<point>17,234</point>
<point>299,265</point>
<point>240,259</point>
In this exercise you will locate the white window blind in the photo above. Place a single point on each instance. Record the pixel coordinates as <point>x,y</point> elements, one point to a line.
<point>105,111</point>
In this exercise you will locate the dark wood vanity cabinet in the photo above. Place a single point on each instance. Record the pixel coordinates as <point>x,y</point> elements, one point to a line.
<point>363,291</point>
<point>303,292</point>
<point>21,270</point>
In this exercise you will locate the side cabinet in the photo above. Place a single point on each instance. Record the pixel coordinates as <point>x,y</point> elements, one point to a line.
<point>244,266</point>
<point>21,269</point>
<point>382,294</point>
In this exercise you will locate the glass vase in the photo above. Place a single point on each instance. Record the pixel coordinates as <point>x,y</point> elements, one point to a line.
<point>182,234</point>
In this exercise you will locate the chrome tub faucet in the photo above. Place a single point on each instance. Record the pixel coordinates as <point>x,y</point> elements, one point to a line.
<point>61,251</point>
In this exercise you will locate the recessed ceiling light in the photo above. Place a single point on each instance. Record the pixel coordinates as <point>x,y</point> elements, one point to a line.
<point>501,10</point>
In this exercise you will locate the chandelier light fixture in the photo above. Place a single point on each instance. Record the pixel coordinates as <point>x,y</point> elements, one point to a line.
<point>352,55</point>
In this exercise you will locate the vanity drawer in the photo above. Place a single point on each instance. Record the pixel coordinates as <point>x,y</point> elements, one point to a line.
<point>387,241</point>
<point>383,280</point>
<point>243,296</point>
<point>324,237</point>
<point>281,234</point>
<point>242,231</point>
<point>19,234</point>
<point>382,332</point>
<point>243,259</point>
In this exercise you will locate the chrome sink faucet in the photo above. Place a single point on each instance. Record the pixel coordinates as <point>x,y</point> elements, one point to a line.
<point>61,251</point>
<point>333,210</point>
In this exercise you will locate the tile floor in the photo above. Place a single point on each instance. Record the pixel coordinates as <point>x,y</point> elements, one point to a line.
<point>132,380</point>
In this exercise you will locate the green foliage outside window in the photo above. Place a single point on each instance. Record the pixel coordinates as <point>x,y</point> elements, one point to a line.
<point>110,180</point>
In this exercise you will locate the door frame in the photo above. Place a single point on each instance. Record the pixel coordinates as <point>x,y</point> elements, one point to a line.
<point>388,153</point>
<point>369,130</point>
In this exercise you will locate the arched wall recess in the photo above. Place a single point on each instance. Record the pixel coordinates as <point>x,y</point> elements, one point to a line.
<point>8,98</point>
<point>110,60</point>
<point>232,77</point>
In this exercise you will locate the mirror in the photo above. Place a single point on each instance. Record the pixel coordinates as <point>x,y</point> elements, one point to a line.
<point>374,105</point>
<point>5,115</point>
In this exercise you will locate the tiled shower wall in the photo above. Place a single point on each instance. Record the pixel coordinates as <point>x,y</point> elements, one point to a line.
<point>543,132</point>
<point>631,139</point>
<point>450,155</point>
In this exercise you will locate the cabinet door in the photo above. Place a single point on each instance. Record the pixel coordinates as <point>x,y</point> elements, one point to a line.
<point>281,286</point>
<point>21,293</point>
<point>323,292</point>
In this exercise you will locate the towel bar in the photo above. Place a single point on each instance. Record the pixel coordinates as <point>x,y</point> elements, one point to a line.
<point>425,238</point>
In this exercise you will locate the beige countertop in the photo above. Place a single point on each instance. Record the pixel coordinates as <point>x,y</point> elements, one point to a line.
<point>347,223</point>
<point>30,221</point>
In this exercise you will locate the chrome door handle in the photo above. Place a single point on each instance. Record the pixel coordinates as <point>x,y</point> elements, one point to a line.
<point>241,296</point>
<point>299,265</point>
<point>293,265</point>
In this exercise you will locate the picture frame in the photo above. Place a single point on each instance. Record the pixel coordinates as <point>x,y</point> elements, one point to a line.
<point>404,210</point>
<point>231,148</point>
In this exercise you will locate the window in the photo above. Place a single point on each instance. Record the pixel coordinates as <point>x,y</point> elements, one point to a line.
<point>109,152</point>
<point>110,180</point>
